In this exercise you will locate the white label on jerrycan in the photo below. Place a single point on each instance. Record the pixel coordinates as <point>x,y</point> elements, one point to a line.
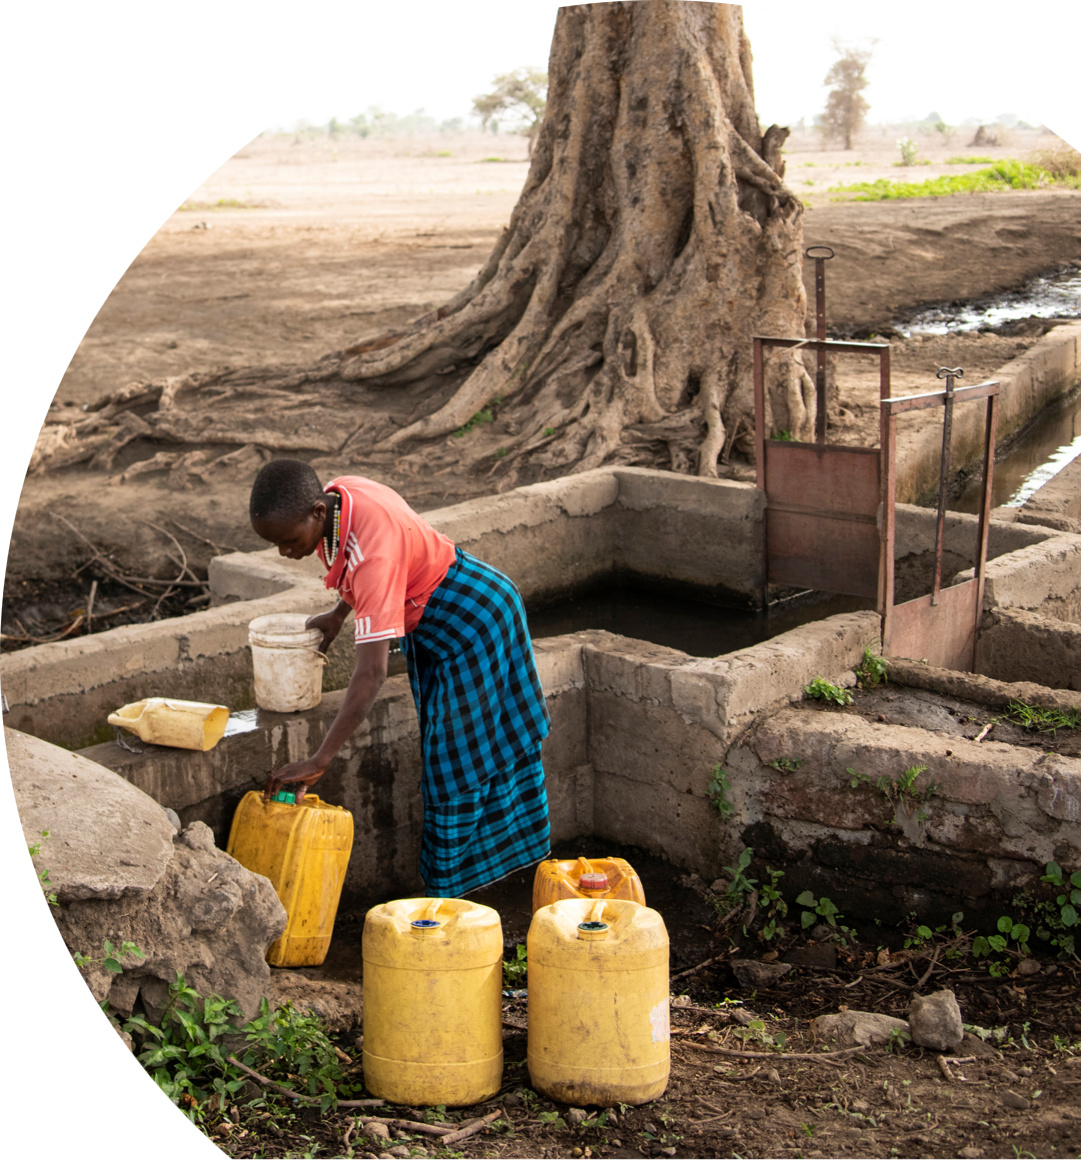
<point>658,1022</point>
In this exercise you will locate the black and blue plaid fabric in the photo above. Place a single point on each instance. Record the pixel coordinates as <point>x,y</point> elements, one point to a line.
<point>482,720</point>
<point>474,680</point>
<point>489,833</point>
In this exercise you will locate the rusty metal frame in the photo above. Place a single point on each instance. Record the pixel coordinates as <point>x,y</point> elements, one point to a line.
<point>822,500</point>
<point>942,626</point>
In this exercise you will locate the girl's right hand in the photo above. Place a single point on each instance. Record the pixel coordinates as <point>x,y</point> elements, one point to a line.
<point>297,776</point>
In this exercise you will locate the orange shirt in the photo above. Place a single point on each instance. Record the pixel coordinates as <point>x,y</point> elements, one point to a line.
<point>389,561</point>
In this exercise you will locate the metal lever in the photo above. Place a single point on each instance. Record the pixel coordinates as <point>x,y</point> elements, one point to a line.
<point>950,375</point>
<point>820,260</point>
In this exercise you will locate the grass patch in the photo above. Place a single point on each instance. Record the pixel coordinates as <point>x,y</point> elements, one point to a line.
<point>1003,175</point>
<point>1043,720</point>
<point>221,203</point>
<point>1060,161</point>
<point>969,161</point>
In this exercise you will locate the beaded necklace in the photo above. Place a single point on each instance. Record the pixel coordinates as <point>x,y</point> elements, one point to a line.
<point>330,550</point>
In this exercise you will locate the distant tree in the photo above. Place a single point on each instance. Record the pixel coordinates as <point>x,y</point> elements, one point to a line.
<point>523,94</point>
<point>846,107</point>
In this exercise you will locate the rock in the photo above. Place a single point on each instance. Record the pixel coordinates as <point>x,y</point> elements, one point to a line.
<point>339,1005</point>
<point>821,932</point>
<point>401,1151</point>
<point>376,1130</point>
<point>680,1001</point>
<point>753,975</point>
<point>971,1152</point>
<point>173,817</point>
<point>1028,967</point>
<point>974,1045</point>
<point>122,872</point>
<point>1015,1102</point>
<point>774,1076</point>
<point>107,839</point>
<point>576,1115</point>
<point>858,1028</point>
<point>935,1021</point>
<point>126,1038</point>
<point>860,1106</point>
<point>743,1017</point>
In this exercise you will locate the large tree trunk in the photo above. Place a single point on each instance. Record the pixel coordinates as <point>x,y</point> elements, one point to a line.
<point>653,237</point>
<point>613,320</point>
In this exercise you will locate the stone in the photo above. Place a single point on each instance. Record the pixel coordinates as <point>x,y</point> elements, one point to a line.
<point>576,1115</point>
<point>858,1028</point>
<point>974,1045</point>
<point>122,872</point>
<point>1028,967</point>
<point>1015,1102</point>
<point>971,1152</point>
<point>339,1005</point>
<point>376,1130</point>
<point>107,839</point>
<point>753,975</point>
<point>401,1151</point>
<point>935,1021</point>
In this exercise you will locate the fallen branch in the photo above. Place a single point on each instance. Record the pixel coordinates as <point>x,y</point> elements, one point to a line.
<point>984,731</point>
<point>411,1126</point>
<point>823,1056</point>
<point>702,966</point>
<point>90,607</point>
<point>944,1067</point>
<point>267,1082</point>
<point>927,974</point>
<point>470,1129</point>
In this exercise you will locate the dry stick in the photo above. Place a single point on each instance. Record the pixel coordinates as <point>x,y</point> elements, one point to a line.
<point>944,1067</point>
<point>927,974</point>
<point>411,1125</point>
<point>702,966</point>
<point>984,731</point>
<point>300,1095</point>
<point>195,535</point>
<point>824,1057</point>
<point>469,1129</point>
<point>958,1058</point>
<point>90,607</point>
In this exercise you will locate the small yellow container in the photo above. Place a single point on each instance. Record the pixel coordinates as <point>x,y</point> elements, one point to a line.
<point>433,1018</point>
<point>304,850</point>
<point>598,1002</point>
<point>167,721</point>
<point>586,878</point>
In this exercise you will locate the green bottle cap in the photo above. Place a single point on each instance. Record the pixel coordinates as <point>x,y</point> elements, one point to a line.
<point>285,796</point>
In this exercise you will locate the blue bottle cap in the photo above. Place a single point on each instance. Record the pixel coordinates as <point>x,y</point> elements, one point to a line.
<point>424,923</point>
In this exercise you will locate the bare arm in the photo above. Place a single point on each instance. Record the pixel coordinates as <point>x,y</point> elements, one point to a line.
<point>369,673</point>
<point>329,623</point>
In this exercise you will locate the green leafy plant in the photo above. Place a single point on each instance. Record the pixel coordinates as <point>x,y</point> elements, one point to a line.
<point>816,908</point>
<point>855,780</point>
<point>784,435</point>
<point>482,417</point>
<point>34,849</point>
<point>821,690</point>
<point>786,764</point>
<point>904,792</point>
<point>1002,175</point>
<point>515,969</point>
<point>871,670</point>
<point>755,1032</point>
<point>549,431</point>
<point>717,792</point>
<point>111,959</point>
<point>968,161</point>
<point>908,151</point>
<point>898,1038</point>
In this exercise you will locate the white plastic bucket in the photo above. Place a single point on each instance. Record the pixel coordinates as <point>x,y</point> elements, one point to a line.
<point>287,662</point>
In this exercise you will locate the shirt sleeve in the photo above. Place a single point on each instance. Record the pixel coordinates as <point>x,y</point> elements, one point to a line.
<point>377,593</point>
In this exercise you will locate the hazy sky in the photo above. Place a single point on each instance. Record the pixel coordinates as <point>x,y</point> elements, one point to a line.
<point>791,56</point>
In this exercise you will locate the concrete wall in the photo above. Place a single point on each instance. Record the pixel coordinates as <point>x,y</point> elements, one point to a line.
<point>1025,646</point>
<point>1046,371</point>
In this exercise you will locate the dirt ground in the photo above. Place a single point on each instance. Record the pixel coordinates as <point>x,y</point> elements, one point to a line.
<point>749,1077</point>
<point>299,245</point>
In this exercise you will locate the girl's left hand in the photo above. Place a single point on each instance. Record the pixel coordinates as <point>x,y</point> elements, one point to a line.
<point>297,776</point>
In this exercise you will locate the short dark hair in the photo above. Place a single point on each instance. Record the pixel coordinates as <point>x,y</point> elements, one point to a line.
<point>284,489</point>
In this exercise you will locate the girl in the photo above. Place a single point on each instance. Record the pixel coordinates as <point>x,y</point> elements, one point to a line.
<point>461,626</point>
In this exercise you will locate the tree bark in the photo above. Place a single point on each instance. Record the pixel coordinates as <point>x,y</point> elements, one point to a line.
<point>612,322</point>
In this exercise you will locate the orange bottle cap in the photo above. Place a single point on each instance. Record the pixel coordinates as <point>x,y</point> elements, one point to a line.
<point>593,882</point>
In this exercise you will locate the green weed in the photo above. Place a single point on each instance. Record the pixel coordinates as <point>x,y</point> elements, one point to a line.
<point>784,435</point>
<point>1000,176</point>
<point>717,791</point>
<point>821,690</point>
<point>1043,720</point>
<point>969,161</point>
<point>516,968</point>
<point>34,850</point>
<point>871,670</point>
<point>904,792</point>
<point>111,959</point>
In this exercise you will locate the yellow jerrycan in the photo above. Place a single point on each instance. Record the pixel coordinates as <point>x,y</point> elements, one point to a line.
<point>167,721</point>
<point>433,990</point>
<point>598,1002</point>
<point>586,878</point>
<point>304,850</point>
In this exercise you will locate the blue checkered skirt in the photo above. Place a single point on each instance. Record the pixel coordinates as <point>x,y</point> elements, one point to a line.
<point>482,718</point>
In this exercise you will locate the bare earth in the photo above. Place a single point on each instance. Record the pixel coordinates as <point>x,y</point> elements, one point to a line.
<point>344,238</point>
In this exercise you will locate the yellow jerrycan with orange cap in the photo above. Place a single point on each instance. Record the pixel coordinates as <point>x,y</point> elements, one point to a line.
<point>598,1002</point>
<point>303,848</point>
<point>586,878</point>
<point>433,990</point>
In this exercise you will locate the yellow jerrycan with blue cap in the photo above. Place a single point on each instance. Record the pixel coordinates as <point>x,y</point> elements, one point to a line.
<point>304,850</point>
<point>598,1002</point>
<point>433,991</point>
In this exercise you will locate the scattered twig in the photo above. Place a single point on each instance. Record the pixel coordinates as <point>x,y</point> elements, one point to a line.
<point>956,1059</point>
<point>944,1067</point>
<point>90,606</point>
<point>855,982</point>
<point>701,966</point>
<point>984,731</point>
<point>927,974</point>
<point>470,1129</point>
<point>195,535</point>
<point>266,1082</point>
<point>824,1056</point>
<point>412,1126</point>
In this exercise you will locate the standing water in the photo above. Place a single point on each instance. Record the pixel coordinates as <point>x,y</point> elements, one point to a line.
<point>1052,442</point>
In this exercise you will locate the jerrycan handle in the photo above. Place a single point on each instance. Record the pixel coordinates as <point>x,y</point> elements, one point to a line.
<point>594,928</point>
